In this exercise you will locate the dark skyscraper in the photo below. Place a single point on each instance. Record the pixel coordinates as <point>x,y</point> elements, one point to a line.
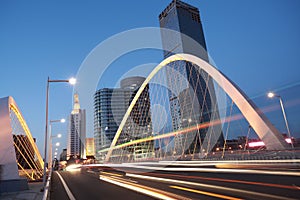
<point>185,19</point>
<point>192,96</point>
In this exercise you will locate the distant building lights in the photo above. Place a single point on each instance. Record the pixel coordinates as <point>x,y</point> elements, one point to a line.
<point>261,143</point>
<point>256,144</point>
<point>288,140</point>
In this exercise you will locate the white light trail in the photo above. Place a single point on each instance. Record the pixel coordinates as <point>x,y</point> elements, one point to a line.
<point>236,191</point>
<point>136,188</point>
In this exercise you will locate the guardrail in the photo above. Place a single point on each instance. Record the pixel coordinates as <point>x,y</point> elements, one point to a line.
<point>47,186</point>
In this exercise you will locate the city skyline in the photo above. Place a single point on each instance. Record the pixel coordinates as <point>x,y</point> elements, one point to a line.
<point>44,40</point>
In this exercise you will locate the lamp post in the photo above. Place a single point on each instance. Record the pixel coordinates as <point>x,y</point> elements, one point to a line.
<point>272,95</point>
<point>55,154</point>
<point>51,136</point>
<point>72,81</point>
<point>50,152</point>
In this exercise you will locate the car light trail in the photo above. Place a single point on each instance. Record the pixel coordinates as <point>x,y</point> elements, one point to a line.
<point>112,174</point>
<point>142,189</point>
<point>73,168</point>
<point>205,193</point>
<point>293,187</point>
<point>196,162</point>
<point>118,178</point>
<point>194,169</point>
<point>178,132</point>
<point>257,195</point>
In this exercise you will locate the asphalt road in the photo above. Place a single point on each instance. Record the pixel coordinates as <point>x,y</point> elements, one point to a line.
<point>85,186</point>
<point>109,184</point>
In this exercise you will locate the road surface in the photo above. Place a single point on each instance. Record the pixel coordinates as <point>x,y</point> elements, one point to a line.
<point>92,183</point>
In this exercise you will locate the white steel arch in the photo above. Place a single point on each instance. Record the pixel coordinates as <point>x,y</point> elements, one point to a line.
<point>261,125</point>
<point>8,160</point>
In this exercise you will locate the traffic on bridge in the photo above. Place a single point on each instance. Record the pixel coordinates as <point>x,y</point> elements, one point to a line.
<point>167,122</point>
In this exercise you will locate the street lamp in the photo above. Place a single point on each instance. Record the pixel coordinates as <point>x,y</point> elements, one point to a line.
<point>272,95</point>
<point>72,81</point>
<point>50,152</point>
<point>56,144</point>
<point>50,134</point>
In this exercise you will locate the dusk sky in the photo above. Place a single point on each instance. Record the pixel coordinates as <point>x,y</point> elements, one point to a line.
<point>255,43</point>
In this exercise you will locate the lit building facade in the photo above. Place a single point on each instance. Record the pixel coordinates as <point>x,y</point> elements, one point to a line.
<point>77,131</point>
<point>89,147</point>
<point>193,99</point>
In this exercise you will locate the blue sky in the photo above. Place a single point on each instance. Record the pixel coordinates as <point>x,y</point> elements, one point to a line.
<point>254,42</point>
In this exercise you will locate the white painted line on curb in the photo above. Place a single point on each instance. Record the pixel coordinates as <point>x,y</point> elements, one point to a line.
<point>71,196</point>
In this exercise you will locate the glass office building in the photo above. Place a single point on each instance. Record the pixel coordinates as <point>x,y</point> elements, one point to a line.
<point>110,106</point>
<point>192,100</point>
<point>107,116</point>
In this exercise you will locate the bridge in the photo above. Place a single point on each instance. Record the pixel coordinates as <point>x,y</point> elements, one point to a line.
<point>20,159</point>
<point>133,142</point>
<point>148,159</point>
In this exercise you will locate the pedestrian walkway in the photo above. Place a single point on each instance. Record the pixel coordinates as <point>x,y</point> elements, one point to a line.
<point>34,193</point>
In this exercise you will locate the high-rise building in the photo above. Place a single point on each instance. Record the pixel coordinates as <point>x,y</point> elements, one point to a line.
<point>110,106</point>
<point>139,124</point>
<point>63,155</point>
<point>107,116</point>
<point>193,99</point>
<point>77,131</point>
<point>184,19</point>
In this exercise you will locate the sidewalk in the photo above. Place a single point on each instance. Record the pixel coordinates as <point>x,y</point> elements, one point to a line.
<point>34,193</point>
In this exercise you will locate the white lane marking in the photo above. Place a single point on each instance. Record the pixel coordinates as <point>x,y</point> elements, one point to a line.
<point>71,196</point>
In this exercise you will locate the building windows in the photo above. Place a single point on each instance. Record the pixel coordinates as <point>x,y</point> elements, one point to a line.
<point>196,17</point>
